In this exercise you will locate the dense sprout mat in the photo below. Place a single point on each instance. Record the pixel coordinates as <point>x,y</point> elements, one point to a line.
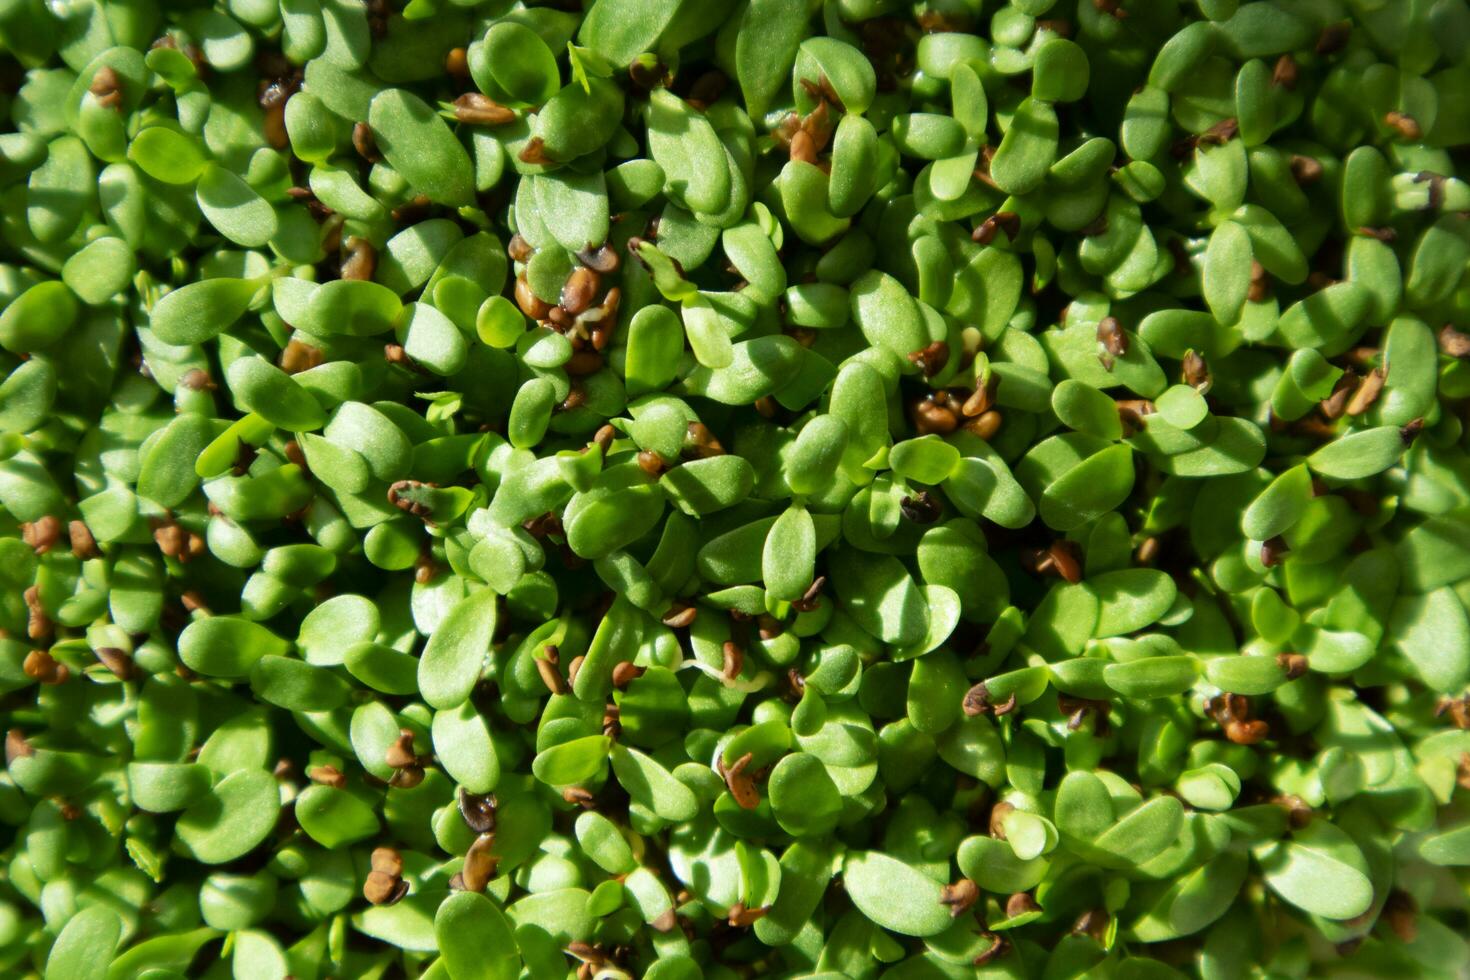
<point>684,489</point>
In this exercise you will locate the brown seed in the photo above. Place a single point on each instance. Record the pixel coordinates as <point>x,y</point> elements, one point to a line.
<point>583,363</point>
<point>1334,406</point>
<point>976,700</point>
<point>1404,124</point>
<point>742,918</point>
<point>604,259</point>
<point>980,402</point>
<point>587,953</point>
<point>931,417</point>
<point>383,889</point>
<point>1307,170</point>
<point>1273,551</point>
<point>986,426</point>
<point>477,810</point>
<point>625,673</point>
<point>327,776</point>
<point>1093,923</point>
<point>576,397</point>
<point>803,147</point>
<point>818,125</point>
<point>1111,336</point>
<point>400,752</point>
<point>1297,809</point>
<point>480,863</point>
<point>769,627</point>
<point>407,778</point>
<point>665,921</point>
<point>734,660</point>
<point>532,305</point>
<point>680,616</point>
<point>171,539</point>
<point>386,860</point>
<point>1246,732</point>
<point>1260,287</point>
<point>1285,73</point>
<point>1002,221</point>
<point>959,897</point>
<point>41,534</point>
<point>1293,665</point>
<point>1408,433</point>
<point>107,87</point>
<point>765,407</point>
<point>999,946</point>
<point>1065,560</point>
<point>579,290</point>
<point>398,496</point>
<point>361,261</point>
<point>998,814</point>
<point>611,721</point>
<point>551,677</point>
<point>921,508</point>
<point>16,746</point>
<point>651,463</point>
<point>457,63</point>
<point>1195,372</point>
<point>38,623</point>
<point>1222,132</point>
<point>578,796</point>
<point>519,249</point>
<point>930,359</point>
<point>297,357</point>
<point>40,666</point>
<point>1401,913</point>
<point>1021,903</point>
<point>475,109</point>
<point>1367,392</point>
<point>1148,551</point>
<point>120,662</point>
<point>83,545</point>
<point>1453,342</point>
<point>1077,709</point>
<point>273,124</point>
<point>604,438</point>
<point>700,442</point>
<point>740,783</point>
<point>534,152</point>
<point>197,379</point>
<point>1458,710</point>
<point>811,598</point>
<point>365,143</point>
<point>574,668</point>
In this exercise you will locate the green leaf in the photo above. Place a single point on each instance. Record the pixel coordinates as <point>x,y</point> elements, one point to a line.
<point>894,895</point>
<point>84,947</point>
<point>201,310</point>
<point>456,652</point>
<point>1320,871</point>
<point>476,939</point>
<point>1433,632</point>
<point>421,147</point>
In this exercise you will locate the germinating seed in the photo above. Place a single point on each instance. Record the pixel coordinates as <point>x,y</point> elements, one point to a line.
<point>686,488</point>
